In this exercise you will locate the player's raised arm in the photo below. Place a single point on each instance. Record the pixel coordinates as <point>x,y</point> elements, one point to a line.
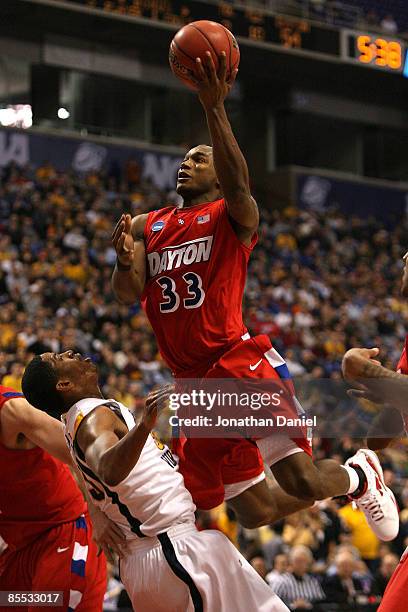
<point>112,451</point>
<point>129,274</point>
<point>229,162</point>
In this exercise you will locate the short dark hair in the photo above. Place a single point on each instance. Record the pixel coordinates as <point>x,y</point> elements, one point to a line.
<point>39,387</point>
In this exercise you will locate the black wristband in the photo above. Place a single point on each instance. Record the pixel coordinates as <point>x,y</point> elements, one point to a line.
<point>122,267</point>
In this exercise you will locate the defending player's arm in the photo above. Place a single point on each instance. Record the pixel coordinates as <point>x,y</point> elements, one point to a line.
<point>378,384</point>
<point>36,426</point>
<point>48,433</point>
<point>386,427</point>
<point>129,275</point>
<point>229,162</point>
<point>110,449</point>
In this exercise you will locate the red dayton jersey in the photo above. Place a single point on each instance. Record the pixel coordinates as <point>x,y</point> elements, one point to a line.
<point>37,492</point>
<point>196,271</point>
<point>403,368</point>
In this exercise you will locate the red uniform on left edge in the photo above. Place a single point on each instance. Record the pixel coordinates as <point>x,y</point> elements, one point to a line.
<point>396,593</point>
<point>45,531</point>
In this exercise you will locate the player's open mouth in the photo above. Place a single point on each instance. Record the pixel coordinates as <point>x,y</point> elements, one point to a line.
<point>79,357</point>
<point>183,176</point>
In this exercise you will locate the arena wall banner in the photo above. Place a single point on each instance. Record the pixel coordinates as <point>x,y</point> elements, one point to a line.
<point>25,147</point>
<point>352,197</point>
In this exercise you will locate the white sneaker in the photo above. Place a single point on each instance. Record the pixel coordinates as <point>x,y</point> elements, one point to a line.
<point>377,501</point>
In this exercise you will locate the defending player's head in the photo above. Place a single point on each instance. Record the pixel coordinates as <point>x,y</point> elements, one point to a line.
<point>197,177</point>
<point>53,382</point>
<point>404,286</point>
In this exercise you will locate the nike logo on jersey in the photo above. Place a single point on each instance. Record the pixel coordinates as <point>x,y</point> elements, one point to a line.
<point>60,550</point>
<point>253,367</point>
<point>187,253</point>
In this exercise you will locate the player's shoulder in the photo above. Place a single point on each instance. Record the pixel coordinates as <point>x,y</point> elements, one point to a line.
<point>7,393</point>
<point>162,212</point>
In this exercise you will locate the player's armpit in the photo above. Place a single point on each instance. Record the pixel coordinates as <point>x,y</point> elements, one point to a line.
<point>37,426</point>
<point>110,449</point>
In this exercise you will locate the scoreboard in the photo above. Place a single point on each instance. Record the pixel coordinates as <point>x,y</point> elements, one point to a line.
<point>374,50</point>
<point>361,47</point>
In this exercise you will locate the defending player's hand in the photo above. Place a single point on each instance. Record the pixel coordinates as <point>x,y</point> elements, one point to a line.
<point>355,362</point>
<point>107,535</point>
<point>156,401</point>
<point>122,240</point>
<point>213,87</point>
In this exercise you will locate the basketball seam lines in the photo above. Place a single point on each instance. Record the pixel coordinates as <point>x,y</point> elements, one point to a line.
<point>186,54</point>
<point>206,38</point>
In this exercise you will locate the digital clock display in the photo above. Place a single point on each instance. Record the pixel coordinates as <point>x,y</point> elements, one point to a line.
<point>374,50</point>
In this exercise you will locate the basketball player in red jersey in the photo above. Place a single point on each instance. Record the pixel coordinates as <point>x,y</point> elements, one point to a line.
<point>391,423</point>
<point>45,532</point>
<point>192,293</point>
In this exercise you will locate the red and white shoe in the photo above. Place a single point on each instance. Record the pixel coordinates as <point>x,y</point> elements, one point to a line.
<point>377,501</point>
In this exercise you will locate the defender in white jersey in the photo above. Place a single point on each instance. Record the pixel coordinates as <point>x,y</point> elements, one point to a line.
<point>133,478</point>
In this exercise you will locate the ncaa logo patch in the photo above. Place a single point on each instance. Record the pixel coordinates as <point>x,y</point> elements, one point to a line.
<point>156,227</point>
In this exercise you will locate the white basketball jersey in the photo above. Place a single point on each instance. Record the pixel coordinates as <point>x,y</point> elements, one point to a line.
<point>152,498</point>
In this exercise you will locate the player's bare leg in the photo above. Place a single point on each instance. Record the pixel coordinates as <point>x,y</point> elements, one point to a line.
<point>263,505</point>
<point>298,475</point>
<point>302,482</point>
<point>361,478</point>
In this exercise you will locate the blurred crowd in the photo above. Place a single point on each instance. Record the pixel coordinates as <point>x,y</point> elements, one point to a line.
<point>318,284</point>
<point>375,15</point>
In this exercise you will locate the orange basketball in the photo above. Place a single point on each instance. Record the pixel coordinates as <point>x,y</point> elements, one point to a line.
<point>194,40</point>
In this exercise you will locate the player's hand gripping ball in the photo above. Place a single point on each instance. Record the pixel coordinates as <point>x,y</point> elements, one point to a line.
<point>195,40</point>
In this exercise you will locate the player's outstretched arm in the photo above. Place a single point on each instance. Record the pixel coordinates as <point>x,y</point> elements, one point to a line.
<point>129,274</point>
<point>374,382</point>
<point>112,451</point>
<point>229,162</point>
<point>19,417</point>
<point>386,427</point>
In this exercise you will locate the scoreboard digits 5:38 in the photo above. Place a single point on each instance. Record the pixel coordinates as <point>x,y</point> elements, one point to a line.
<point>374,50</point>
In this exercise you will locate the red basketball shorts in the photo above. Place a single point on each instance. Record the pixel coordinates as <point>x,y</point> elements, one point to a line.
<point>61,559</point>
<point>396,594</point>
<point>217,469</point>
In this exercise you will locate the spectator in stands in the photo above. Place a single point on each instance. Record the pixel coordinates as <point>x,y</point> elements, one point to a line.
<point>361,535</point>
<point>388,564</point>
<point>343,587</point>
<point>273,544</point>
<point>389,25</point>
<point>299,589</point>
<point>113,589</point>
<point>280,566</point>
<point>372,20</point>
<point>258,563</point>
<point>13,379</point>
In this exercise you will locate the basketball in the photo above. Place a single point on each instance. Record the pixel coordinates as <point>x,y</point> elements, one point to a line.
<point>194,40</point>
